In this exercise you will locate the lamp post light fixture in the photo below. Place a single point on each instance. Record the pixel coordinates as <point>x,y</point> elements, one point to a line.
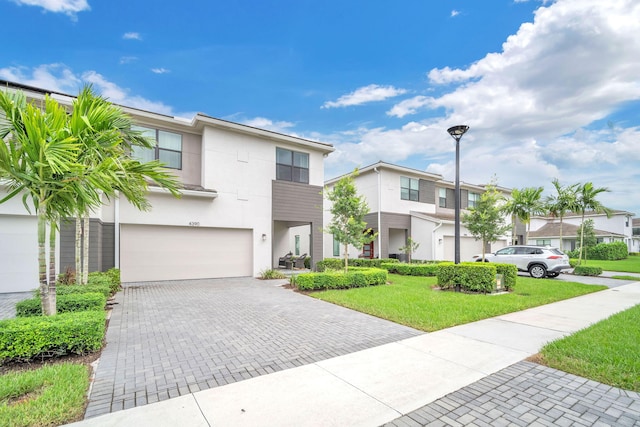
<point>456,132</point>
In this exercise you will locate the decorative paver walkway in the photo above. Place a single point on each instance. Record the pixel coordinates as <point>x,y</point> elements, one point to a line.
<point>528,394</point>
<point>169,339</point>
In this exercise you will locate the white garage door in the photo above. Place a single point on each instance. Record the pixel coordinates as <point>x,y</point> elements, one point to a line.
<point>18,253</point>
<point>150,252</point>
<point>468,247</point>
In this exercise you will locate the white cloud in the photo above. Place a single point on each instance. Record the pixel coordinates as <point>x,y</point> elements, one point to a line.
<point>132,36</point>
<point>364,95</point>
<point>68,7</point>
<point>160,70</point>
<point>128,59</point>
<point>268,124</point>
<point>455,13</point>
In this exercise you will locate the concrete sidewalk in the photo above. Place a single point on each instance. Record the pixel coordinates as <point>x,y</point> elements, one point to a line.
<point>381,384</point>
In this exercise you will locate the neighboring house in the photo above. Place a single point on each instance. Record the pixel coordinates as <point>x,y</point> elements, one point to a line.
<point>244,189</point>
<point>411,203</point>
<point>616,228</point>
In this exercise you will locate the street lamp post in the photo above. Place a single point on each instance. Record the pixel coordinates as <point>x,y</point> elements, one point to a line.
<point>456,132</point>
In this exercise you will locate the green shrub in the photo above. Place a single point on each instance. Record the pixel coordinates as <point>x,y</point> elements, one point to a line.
<point>338,263</point>
<point>411,269</point>
<point>83,289</point>
<point>573,262</point>
<point>272,274</point>
<point>585,270</point>
<point>23,339</point>
<point>355,278</point>
<point>471,276</point>
<point>509,275</point>
<point>604,251</point>
<point>65,303</point>
<point>110,278</point>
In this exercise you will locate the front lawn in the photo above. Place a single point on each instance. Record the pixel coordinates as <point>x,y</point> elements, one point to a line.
<point>629,265</point>
<point>48,396</point>
<point>410,301</point>
<point>606,352</point>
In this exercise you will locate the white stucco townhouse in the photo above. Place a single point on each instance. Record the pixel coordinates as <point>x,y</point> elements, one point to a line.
<point>244,189</point>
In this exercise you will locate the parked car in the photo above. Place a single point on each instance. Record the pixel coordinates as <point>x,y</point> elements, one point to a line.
<point>539,261</point>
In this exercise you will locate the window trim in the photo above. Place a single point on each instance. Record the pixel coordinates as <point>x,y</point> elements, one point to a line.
<point>442,201</point>
<point>292,166</point>
<point>156,148</point>
<point>412,193</point>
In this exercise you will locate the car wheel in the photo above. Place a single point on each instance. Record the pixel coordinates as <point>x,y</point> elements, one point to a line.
<point>553,274</point>
<point>537,271</point>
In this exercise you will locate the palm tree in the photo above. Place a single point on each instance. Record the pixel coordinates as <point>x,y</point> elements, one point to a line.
<point>586,200</point>
<point>562,202</point>
<point>523,204</point>
<point>38,157</point>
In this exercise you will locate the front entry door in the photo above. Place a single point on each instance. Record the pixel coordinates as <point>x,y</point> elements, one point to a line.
<point>367,250</point>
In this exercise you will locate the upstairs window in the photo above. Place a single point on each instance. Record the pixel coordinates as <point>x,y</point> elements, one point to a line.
<point>442,197</point>
<point>474,198</point>
<point>292,166</point>
<point>168,148</point>
<point>409,188</point>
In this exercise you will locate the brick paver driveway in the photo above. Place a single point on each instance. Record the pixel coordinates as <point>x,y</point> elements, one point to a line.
<point>172,338</point>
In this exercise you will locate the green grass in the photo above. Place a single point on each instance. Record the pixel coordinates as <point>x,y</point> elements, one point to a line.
<point>636,278</point>
<point>410,300</point>
<point>606,352</point>
<point>629,265</point>
<point>48,396</point>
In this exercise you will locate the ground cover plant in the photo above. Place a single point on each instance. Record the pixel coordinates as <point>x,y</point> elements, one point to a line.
<point>606,352</point>
<point>48,396</point>
<point>411,301</point>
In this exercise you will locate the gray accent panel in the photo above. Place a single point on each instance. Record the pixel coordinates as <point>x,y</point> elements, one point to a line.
<point>389,220</point>
<point>464,199</point>
<point>101,245</point>
<point>300,204</point>
<point>427,192</point>
<point>451,198</point>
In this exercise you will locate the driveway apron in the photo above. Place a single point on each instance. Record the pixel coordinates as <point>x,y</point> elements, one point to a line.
<point>168,339</point>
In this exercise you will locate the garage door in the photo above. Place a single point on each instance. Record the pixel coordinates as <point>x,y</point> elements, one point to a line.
<point>18,253</point>
<point>468,247</point>
<point>149,252</point>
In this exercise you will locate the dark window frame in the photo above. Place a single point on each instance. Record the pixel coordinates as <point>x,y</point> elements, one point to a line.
<point>289,171</point>
<point>157,149</point>
<point>442,201</point>
<point>409,193</point>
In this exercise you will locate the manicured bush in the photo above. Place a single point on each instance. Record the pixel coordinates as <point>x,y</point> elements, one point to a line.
<point>23,339</point>
<point>410,269</point>
<point>83,289</point>
<point>471,277</point>
<point>65,303</point>
<point>355,278</point>
<point>338,263</point>
<point>509,275</point>
<point>586,270</point>
<point>110,277</point>
<point>604,251</point>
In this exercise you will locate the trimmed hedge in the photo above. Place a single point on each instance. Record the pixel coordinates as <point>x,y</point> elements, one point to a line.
<point>338,263</point>
<point>469,276</point>
<point>406,269</point>
<point>23,339</point>
<point>83,289</point>
<point>109,278</point>
<point>509,275</point>
<point>355,278</point>
<point>65,303</point>
<point>584,270</point>
<point>604,251</point>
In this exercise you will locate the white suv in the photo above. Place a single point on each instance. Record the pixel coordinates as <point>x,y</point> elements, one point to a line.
<point>539,261</point>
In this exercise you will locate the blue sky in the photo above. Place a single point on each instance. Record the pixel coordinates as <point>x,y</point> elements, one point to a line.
<point>550,89</point>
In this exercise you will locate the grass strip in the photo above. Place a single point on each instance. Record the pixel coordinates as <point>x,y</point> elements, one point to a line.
<point>48,396</point>
<point>606,352</point>
<point>410,301</point>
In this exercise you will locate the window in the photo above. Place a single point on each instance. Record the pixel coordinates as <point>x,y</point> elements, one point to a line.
<point>297,244</point>
<point>292,166</point>
<point>168,147</point>
<point>336,247</point>
<point>474,198</point>
<point>543,242</point>
<point>408,188</point>
<point>442,197</point>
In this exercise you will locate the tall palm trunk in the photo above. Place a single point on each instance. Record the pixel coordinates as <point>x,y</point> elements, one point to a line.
<point>47,293</point>
<point>52,253</point>
<point>346,257</point>
<point>85,250</point>
<point>561,245</point>
<point>78,250</point>
<point>581,238</point>
<point>513,229</point>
